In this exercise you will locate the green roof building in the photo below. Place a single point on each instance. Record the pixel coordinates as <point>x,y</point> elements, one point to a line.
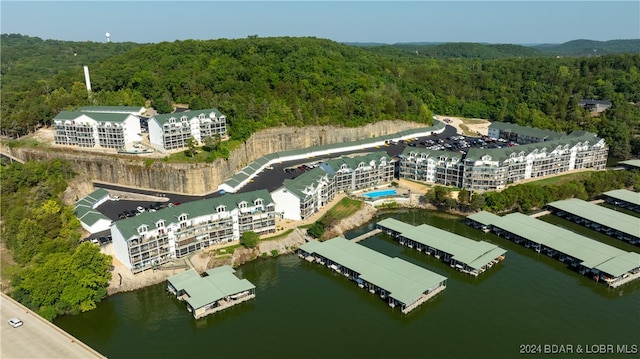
<point>217,290</point>
<point>399,282</point>
<point>589,257</point>
<point>623,198</point>
<point>154,238</point>
<point>466,255</point>
<point>605,220</point>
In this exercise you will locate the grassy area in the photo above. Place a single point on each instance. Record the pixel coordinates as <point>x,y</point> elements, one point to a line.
<point>26,142</point>
<point>278,236</point>
<point>558,179</point>
<point>201,155</point>
<point>227,250</point>
<point>342,209</point>
<point>467,132</point>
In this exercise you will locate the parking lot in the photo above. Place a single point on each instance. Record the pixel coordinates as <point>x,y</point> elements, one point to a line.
<point>273,176</point>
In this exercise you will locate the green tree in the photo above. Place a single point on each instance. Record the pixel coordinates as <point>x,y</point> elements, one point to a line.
<point>249,239</point>
<point>191,147</point>
<point>316,230</point>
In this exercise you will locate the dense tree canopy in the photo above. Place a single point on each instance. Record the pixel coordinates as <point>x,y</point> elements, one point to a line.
<point>55,274</point>
<point>266,82</point>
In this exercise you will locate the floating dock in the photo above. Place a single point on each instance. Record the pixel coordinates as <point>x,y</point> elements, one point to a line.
<point>219,289</point>
<point>463,254</point>
<point>623,198</point>
<point>399,282</point>
<point>589,257</point>
<point>602,219</point>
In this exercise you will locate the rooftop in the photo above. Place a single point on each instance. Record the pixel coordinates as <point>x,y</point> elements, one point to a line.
<point>219,283</point>
<point>501,154</point>
<point>592,254</point>
<point>524,130</point>
<point>209,112</point>
<point>601,215</point>
<point>404,281</point>
<point>624,195</point>
<point>96,116</point>
<point>129,226</point>
<point>475,254</point>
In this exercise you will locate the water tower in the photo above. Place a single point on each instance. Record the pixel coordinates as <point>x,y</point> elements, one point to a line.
<point>108,35</point>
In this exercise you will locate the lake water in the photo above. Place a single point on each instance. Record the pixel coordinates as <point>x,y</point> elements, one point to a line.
<point>303,310</point>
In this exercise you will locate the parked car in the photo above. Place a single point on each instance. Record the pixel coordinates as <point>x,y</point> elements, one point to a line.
<point>15,322</point>
<point>103,240</point>
<point>95,241</point>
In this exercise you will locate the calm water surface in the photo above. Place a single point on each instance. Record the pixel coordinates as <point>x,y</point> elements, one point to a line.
<point>303,310</point>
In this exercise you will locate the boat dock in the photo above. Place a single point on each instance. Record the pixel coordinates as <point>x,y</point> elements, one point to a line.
<point>464,254</point>
<point>602,262</point>
<point>396,281</point>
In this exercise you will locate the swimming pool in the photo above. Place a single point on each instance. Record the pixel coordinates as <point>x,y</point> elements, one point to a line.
<point>376,194</point>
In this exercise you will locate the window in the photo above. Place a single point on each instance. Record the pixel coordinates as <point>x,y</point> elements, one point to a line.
<point>142,229</point>
<point>160,224</point>
<point>242,204</point>
<point>183,217</point>
<point>220,209</point>
<point>258,202</point>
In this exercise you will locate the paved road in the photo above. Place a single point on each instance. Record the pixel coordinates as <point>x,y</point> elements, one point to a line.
<point>36,338</point>
<point>267,179</point>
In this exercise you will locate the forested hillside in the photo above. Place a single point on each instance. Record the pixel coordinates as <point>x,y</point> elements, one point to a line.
<point>54,273</point>
<point>266,82</point>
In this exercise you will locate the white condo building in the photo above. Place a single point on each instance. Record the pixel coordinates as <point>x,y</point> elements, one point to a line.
<point>303,196</point>
<point>171,131</point>
<point>96,129</point>
<point>154,238</point>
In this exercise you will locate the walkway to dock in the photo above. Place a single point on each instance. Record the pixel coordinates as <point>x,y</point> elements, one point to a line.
<point>622,281</point>
<point>423,298</point>
<point>366,235</point>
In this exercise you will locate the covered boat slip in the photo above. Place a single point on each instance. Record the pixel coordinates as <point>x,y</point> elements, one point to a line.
<point>623,198</point>
<point>398,281</point>
<point>466,255</point>
<point>590,257</point>
<point>218,290</point>
<point>613,223</point>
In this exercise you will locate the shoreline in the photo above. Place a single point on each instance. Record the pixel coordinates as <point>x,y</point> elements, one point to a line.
<point>123,280</point>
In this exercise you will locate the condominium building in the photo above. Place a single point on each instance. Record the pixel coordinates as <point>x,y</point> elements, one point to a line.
<point>96,129</point>
<point>494,168</point>
<point>154,238</point>
<point>303,196</point>
<point>443,167</point>
<point>171,131</point>
<point>520,134</point>
<point>490,169</point>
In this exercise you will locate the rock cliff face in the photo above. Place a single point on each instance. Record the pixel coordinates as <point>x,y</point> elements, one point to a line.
<point>203,178</point>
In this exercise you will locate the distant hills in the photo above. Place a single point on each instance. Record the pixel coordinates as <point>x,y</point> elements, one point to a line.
<point>469,50</point>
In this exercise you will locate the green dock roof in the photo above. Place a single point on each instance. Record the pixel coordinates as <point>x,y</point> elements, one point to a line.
<point>631,163</point>
<point>475,254</point>
<point>219,283</point>
<point>593,254</point>
<point>624,195</point>
<point>404,281</point>
<point>604,216</point>
<point>483,217</point>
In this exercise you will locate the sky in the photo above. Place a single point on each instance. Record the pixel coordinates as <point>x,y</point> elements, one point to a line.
<point>146,21</point>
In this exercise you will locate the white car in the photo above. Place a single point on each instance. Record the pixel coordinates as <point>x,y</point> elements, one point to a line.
<point>140,209</point>
<point>15,322</point>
